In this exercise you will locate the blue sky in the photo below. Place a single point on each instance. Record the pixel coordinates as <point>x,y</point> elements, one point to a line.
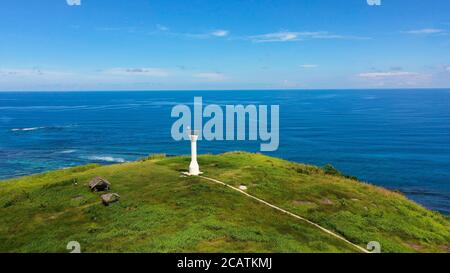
<point>211,44</point>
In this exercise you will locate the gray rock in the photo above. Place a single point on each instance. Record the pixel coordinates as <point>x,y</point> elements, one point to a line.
<point>326,201</point>
<point>99,184</point>
<point>110,198</point>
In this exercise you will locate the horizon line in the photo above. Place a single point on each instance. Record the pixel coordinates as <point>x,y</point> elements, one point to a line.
<point>225,90</point>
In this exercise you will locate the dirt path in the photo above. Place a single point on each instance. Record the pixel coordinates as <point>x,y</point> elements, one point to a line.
<point>289,213</point>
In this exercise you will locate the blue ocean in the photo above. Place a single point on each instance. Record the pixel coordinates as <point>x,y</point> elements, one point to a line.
<point>398,139</point>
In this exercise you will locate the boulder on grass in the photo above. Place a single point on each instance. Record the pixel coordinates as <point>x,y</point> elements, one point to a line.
<point>109,198</point>
<point>99,184</point>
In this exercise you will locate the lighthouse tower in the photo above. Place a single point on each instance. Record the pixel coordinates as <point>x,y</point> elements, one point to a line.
<point>194,169</point>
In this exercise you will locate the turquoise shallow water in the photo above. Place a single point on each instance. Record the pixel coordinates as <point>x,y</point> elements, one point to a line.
<point>399,139</point>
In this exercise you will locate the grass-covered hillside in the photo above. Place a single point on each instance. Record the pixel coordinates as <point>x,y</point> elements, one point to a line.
<point>163,211</point>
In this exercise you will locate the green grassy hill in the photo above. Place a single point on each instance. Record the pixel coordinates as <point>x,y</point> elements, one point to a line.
<point>162,211</point>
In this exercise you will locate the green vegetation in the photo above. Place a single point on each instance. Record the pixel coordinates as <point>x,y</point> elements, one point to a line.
<point>331,170</point>
<point>162,211</point>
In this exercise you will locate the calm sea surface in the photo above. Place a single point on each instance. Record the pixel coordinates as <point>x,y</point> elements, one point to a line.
<point>399,139</point>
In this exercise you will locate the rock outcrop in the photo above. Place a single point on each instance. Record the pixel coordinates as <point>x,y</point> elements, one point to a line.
<point>109,198</point>
<point>99,184</point>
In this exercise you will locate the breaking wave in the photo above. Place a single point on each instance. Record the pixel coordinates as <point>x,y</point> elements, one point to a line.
<point>106,159</point>
<point>27,129</point>
<point>67,151</point>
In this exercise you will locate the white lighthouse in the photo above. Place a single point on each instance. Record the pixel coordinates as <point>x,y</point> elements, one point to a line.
<point>194,169</point>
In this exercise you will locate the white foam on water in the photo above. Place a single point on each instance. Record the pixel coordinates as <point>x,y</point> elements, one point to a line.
<point>106,158</point>
<point>67,151</point>
<point>27,129</point>
<point>42,127</point>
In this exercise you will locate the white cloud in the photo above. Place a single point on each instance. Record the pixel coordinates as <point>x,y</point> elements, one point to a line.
<point>390,74</point>
<point>210,76</point>
<point>31,73</point>
<point>31,79</point>
<point>290,84</point>
<point>448,69</point>
<point>215,33</point>
<point>162,27</point>
<point>397,79</point>
<point>426,31</point>
<point>146,72</point>
<point>118,29</point>
<point>16,79</point>
<point>289,36</point>
<point>276,37</point>
<point>163,30</point>
<point>306,66</point>
<point>220,33</point>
